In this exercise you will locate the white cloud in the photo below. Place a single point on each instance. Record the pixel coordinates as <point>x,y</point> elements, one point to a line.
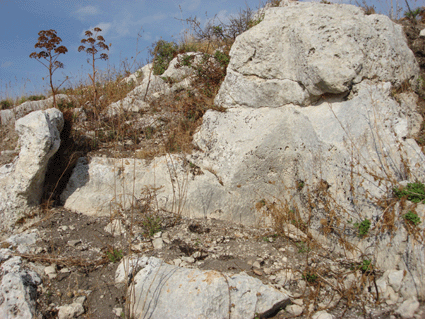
<point>85,12</point>
<point>104,26</point>
<point>6,64</point>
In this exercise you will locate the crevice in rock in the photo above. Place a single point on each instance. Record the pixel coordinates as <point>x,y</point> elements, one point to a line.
<point>60,166</point>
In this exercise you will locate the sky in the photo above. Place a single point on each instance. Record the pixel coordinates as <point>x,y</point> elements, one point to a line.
<point>130,26</point>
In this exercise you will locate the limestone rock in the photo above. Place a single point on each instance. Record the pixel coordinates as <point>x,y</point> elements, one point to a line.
<point>322,315</point>
<point>294,310</point>
<point>140,74</point>
<point>152,86</point>
<point>408,308</point>
<point>18,290</point>
<point>70,311</point>
<point>165,291</point>
<point>115,227</point>
<point>10,115</point>
<point>300,52</point>
<point>21,182</point>
<point>177,71</point>
<point>395,278</point>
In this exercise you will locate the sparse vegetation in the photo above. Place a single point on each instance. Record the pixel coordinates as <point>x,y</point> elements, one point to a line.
<point>310,277</point>
<point>412,218</point>
<point>5,104</point>
<point>152,224</point>
<point>94,43</point>
<point>187,107</point>
<point>163,52</point>
<point>414,192</point>
<point>363,227</point>
<point>114,255</point>
<point>48,42</point>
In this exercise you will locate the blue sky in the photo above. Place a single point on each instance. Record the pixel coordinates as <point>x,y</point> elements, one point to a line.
<point>122,21</point>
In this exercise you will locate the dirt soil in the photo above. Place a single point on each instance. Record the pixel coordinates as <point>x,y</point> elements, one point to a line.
<point>78,246</point>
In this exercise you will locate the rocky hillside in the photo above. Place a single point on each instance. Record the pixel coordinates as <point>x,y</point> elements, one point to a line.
<point>298,192</point>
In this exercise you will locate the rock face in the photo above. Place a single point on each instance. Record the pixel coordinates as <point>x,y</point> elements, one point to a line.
<point>314,129</point>
<point>21,182</point>
<point>104,185</point>
<point>164,291</point>
<point>18,290</point>
<point>305,50</point>
<point>25,108</point>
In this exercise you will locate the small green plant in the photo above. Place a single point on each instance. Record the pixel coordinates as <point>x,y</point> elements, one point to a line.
<point>310,277</point>
<point>115,255</point>
<point>363,227</point>
<point>300,185</point>
<point>366,265</point>
<point>412,218</point>
<point>5,104</point>
<point>413,14</point>
<point>222,58</point>
<point>163,52</point>
<point>187,60</point>
<point>302,248</point>
<point>63,104</point>
<point>415,192</point>
<point>152,224</point>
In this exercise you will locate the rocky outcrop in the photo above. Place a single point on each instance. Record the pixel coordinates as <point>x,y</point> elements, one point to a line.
<point>10,115</point>
<point>160,290</point>
<point>21,182</point>
<point>305,50</point>
<point>178,76</point>
<point>18,289</point>
<point>314,128</point>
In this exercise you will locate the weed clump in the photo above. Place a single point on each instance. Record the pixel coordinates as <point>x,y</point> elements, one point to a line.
<point>415,192</point>
<point>152,224</point>
<point>114,255</point>
<point>363,227</point>
<point>310,277</point>
<point>5,104</point>
<point>412,218</point>
<point>163,52</point>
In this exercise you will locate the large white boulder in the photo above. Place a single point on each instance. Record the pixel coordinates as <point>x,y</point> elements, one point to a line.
<point>302,51</point>
<point>18,290</point>
<point>21,182</point>
<point>100,186</point>
<point>160,290</point>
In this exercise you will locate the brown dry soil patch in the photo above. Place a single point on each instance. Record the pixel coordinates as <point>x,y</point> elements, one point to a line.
<point>78,245</point>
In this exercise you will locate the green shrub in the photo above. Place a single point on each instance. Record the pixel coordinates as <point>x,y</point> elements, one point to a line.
<point>163,52</point>
<point>310,277</point>
<point>363,227</point>
<point>415,192</point>
<point>187,60</point>
<point>365,267</point>
<point>114,256</point>
<point>5,104</point>
<point>413,14</point>
<point>222,58</point>
<point>153,224</point>
<point>412,218</point>
<point>62,104</point>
